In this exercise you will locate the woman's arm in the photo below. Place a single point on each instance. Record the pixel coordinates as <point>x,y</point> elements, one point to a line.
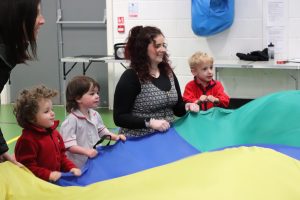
<point>3,145</point>
<point>179,108</point>
<point>4,74</point>
<point>10,158</point>
<point>126,91</point>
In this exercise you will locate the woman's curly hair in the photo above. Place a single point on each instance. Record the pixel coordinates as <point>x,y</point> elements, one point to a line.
<point>27,103</point>
<point>136,50</point>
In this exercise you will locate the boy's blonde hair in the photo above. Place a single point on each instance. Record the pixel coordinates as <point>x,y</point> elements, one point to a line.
<point>27,103</point>
<point>199,58</point>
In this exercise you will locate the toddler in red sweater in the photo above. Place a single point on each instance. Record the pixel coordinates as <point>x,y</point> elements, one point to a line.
<point>40,147</point>
<point>204,90</point>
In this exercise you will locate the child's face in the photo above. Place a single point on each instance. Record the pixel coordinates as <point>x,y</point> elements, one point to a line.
<point>45,115</point>
<point>91,99</point>
<point>204,72</point>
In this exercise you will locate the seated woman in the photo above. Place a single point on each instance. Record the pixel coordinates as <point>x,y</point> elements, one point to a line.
<point>147,96</point>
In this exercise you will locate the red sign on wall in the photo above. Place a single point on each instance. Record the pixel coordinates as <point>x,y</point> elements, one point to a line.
<point>120,20</point>
<point>121,28</point>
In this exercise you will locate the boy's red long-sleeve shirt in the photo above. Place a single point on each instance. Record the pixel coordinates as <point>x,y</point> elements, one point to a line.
<point>193,91</point>
<point>42,151</point>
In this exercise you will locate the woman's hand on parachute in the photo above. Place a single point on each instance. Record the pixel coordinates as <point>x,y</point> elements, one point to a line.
<point>159,124</point>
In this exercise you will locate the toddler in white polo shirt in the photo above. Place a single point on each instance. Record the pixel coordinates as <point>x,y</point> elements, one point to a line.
<point>83,127</point>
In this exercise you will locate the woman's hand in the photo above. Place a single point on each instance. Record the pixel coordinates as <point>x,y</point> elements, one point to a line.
<point>192,107</point>
<point>159,124</point>
<point>7,157</point>
<point>14,161</point>
<point>76,171</point>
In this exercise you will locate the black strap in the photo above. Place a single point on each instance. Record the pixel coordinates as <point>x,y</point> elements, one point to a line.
<point>104,137</point>
<point>205,105</point>
<point>200,105</point>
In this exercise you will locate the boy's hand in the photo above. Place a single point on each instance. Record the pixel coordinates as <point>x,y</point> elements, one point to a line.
<point>76,171</point>
<point>212,99</point>
<point>91,153</point>
<point>54,176</point>
<point>203,98</point>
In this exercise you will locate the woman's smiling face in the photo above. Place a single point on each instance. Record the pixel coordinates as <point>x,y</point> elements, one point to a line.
<point>157,49</point>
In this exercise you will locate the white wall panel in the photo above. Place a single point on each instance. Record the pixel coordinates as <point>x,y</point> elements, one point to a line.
<point>294,48</point>
<point>173,17</point>
<point>248,9</point>
<point>294,9</point>
<point>246,28</point>
<point>294,25</point>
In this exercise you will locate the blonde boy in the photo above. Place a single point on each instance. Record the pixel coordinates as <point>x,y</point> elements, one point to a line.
<point>204,90</point>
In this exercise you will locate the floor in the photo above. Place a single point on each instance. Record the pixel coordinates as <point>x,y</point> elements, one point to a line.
<point>12,130</point>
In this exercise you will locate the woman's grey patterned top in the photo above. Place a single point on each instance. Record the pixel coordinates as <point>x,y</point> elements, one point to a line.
<point>152,102</point>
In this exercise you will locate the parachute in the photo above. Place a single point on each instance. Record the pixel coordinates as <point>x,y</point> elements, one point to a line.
<point>249,153</point>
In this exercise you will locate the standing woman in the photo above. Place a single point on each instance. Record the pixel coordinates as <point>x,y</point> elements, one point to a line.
<point>147,97</point>
<point>20,21</point>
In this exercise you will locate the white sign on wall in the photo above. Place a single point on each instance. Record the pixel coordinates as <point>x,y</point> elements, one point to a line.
<point>133,9</point>
<point>276,27</point>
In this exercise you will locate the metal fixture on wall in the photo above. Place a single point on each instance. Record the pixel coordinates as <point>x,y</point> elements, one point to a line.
<point>60,22</point>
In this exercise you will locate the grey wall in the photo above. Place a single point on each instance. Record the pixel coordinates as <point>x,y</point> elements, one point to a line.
<point>78,39</point>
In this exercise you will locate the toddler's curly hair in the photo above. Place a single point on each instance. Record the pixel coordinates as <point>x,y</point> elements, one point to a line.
<point>27,103</point>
